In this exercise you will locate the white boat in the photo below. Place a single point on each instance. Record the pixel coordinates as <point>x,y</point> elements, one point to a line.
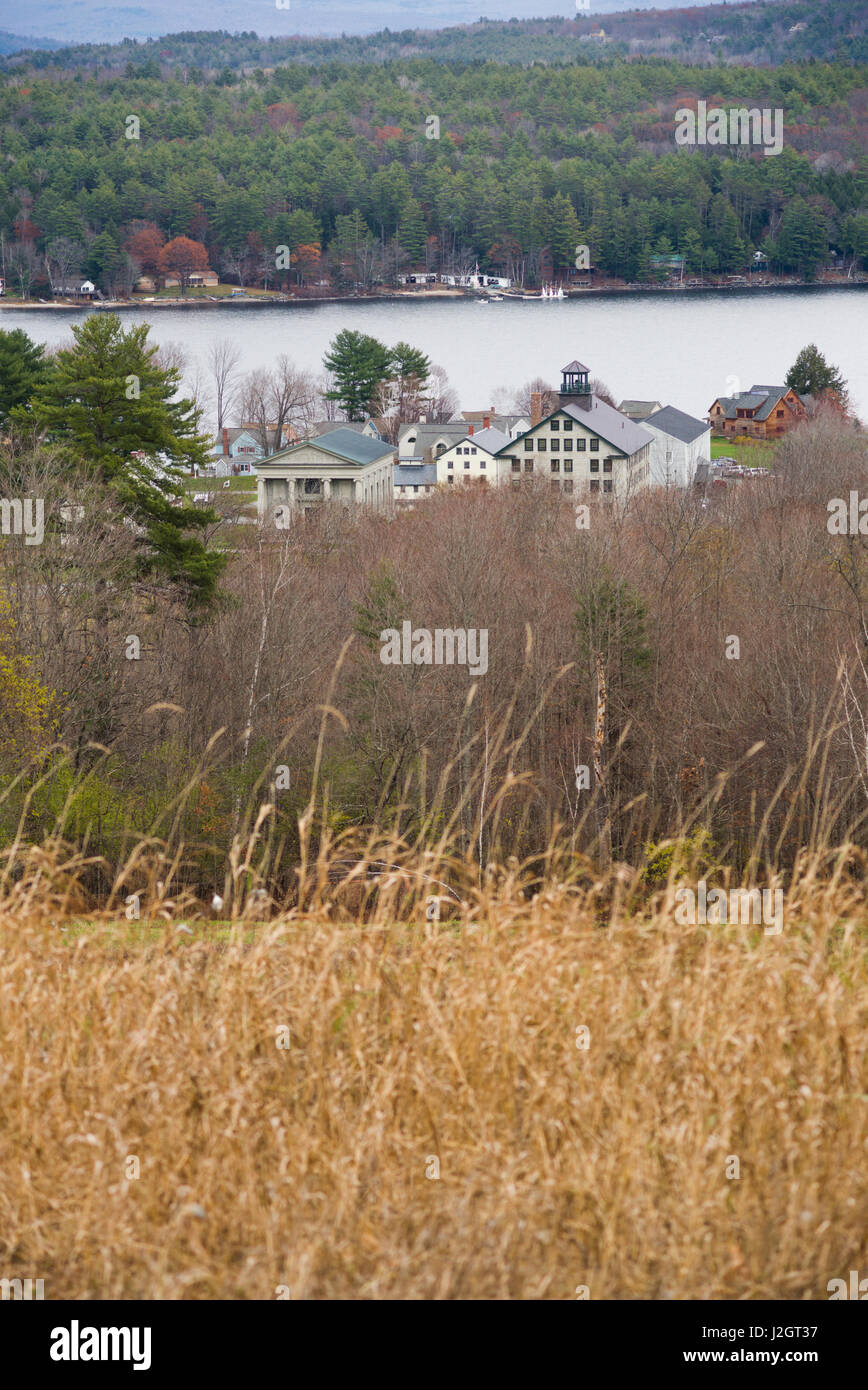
<point>560,294</point>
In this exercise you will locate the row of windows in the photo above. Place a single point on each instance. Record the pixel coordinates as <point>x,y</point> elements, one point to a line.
<point>450,463</point>
<point>566,444</point>
<point>567,485</point>
<point>555,465</point>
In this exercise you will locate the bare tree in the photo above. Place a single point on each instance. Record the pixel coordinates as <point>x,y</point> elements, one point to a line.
<point>522,398</point>
<point>441,402</point>
<point>223,358</point>
<point>275,403</point>
<point>21,260</point>
<point>63,258</point>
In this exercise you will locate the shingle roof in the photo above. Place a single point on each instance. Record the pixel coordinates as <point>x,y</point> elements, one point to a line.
<point>677,423</point>
<point>341,443</point>
<point>325,426</point>
<point>408,474</point>
<point>613,427</point>
<point>491,440</point>
<point>638,409</point>
<point>575,367</point>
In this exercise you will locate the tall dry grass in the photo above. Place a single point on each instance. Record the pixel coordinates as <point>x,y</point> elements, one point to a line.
<point>411,1041</point>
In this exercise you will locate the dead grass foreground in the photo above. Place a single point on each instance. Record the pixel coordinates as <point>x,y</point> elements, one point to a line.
<point>447,1048</point>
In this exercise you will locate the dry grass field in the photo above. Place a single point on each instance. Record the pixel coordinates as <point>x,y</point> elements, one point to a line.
<point>429,1126</point>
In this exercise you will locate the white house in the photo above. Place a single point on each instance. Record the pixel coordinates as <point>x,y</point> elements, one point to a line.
<point>474,459</point>
<point>342,466</point>
<point>424,443</point>
<point>681,442</point>
<point>412,481</point>
<point>583,446</point>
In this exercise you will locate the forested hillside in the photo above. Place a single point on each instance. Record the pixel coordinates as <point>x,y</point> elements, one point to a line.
<point>334,163</point>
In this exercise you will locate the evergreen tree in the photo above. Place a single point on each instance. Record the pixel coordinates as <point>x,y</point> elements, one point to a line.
<point>812,375</point>
<point>23,368</point>
<point>359,364</point>
<point>108,407</point>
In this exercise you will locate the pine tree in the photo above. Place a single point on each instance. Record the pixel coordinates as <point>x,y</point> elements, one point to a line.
<point>812,375</point>
<point>360,364</point>
<point>108,407</point>
<point>23,368</point>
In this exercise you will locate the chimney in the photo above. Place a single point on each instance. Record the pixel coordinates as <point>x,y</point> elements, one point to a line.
<point>225,440</point>
<point>535,407</point>
<point>469,431</point>
<point>486,422</point>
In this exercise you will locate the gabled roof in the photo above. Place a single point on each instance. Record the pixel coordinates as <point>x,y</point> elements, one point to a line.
<point>610,425</point>
<point>427,430</point>
<point>342,443</point>
<point>601,419</point>
<point>638,410</point>
<point>491,440</point>
<point>677,423</point>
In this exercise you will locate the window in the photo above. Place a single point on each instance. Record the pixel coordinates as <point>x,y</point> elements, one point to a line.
<point>567,443</point>
<point>516,465</point>
<point>595,485</point>
<point>415,487</point>
<point>568,465</point>
<point>607,484</point>
<point>541,445</point>
<point>451,463</point>
<point>482,463</point>
<point>568,424</point>
<point>607,465</point>
<point>528,465</point>
<point>554,424</point>
<point>441,449</point>
<point>451,480</point>
<point>473,451</point>
<point>568,484</point>
<point>581,445</point>
<point>467,463</point>
<point>555,485</point>
<point>556,465</point>
<point>595,465</point>
<point>595,446</point>
<point>779,414</point>
<point>528,446</point>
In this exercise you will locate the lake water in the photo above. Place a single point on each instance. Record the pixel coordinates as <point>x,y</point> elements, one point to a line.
<point>682,349</point>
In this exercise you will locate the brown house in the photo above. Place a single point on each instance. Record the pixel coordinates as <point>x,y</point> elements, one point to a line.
<point>763,412</point>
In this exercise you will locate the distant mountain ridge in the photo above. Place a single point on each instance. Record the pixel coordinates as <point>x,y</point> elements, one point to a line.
<point>14,43</point>
<point>755,32</point>
<point>91,21</point>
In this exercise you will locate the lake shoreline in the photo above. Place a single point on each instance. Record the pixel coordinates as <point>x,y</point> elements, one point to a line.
<point>433,297</point>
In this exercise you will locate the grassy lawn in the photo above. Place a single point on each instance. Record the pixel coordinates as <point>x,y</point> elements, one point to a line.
<point>243,484</point>
<point>755,453</point>
<point>207,292</point>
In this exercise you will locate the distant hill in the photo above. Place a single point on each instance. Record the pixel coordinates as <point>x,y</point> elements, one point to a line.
<point>14,43</point>
<point>93,21</point>
<point>756,34</point>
